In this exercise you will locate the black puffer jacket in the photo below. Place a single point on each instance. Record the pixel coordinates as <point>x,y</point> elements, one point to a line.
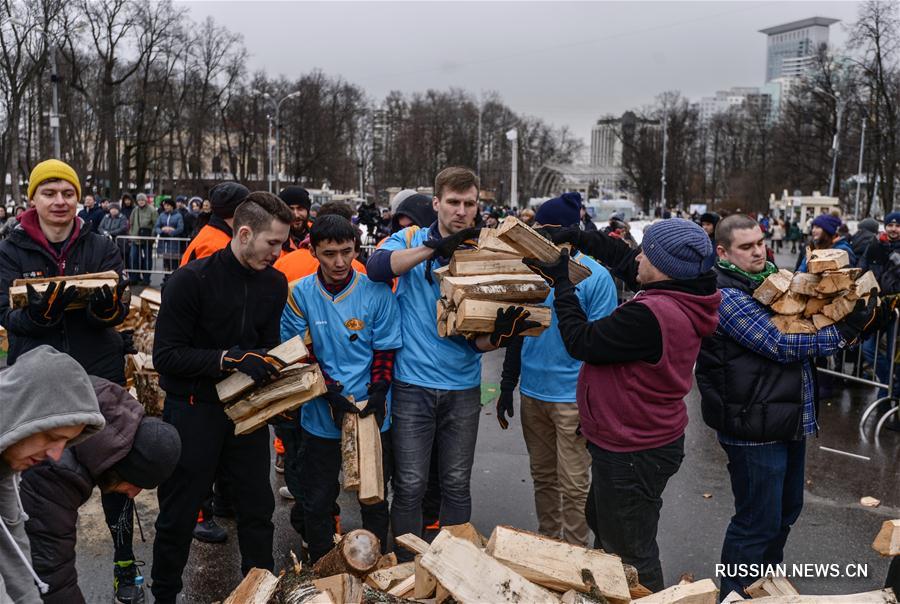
<point>53,492</point>
<point>92,342</point>
<point>745,395</point>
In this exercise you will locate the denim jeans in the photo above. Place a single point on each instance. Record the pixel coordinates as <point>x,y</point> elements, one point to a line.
<point>767,482</point>
<point>422,416</point>
<point>624,503</point>
<point>140,257</point>
<point>883,364</point>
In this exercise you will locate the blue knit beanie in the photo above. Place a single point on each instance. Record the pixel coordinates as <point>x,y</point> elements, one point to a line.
<point>564,210</point>
<point>679,248</point>
<point>892,217</point>
<point>828,223</point>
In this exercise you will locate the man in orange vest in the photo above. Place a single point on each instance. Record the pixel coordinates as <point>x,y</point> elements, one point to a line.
<point>225,198</point>
<point>297,199</point>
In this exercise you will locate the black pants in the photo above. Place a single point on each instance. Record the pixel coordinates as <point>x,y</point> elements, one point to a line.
<point>119,512</point>
<point>320,487</point>
<point>207,439</point>
<point>624,502</point>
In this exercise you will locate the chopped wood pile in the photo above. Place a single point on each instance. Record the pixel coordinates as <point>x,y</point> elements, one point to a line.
<point>85,284</point>
<point>139,372</point>
<point>808,302</point>
<point>478,282</point>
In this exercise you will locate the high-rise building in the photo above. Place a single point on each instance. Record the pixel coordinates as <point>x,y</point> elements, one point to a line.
<point>611,136</point>
<point>792,47</point>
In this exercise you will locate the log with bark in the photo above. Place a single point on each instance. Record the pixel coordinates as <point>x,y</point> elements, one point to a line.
<point>771,586</point>
<point>371,469</point>
<point>532,244</point>
<point>290,352</point>
<point>343,588</point>
<point>790,303</point>
<point>466,263</point>
<point>831,259</point>
<point>478,316</point>
<point>356,553</point>
<point>297,386</point>
<point>499,288</point>
<point>699,592</point>
<point>84,284</point>
<point>350,451</point>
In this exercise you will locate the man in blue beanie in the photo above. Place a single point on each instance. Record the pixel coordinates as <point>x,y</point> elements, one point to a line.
<point>824,235</point>
<point>637,370</point>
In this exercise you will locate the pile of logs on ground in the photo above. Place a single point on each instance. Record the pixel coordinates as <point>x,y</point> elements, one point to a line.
<point>478,282</point>
<point>808,302</point>
<point>139,372</point>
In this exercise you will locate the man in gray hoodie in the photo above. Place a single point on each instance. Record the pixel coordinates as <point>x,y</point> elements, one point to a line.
<point>38,419</point>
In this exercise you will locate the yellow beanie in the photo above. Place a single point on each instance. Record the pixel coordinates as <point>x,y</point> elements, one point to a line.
<point>52,169</point>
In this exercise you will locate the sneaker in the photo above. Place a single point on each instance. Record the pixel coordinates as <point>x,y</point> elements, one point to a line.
<point>279,463</point>
<point>208,531</point>
<point>126,591</point>
<point>285,492</point>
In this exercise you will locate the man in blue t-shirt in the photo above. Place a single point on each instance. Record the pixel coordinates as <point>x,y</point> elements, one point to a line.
<point>354,325</point>
<point>437,381</point>
<point>560,462</point>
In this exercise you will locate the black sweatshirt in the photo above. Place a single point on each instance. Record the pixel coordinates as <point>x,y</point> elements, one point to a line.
<point>208,306</point>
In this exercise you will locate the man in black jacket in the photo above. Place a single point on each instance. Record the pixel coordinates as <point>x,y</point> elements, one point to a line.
<point>219,314</point>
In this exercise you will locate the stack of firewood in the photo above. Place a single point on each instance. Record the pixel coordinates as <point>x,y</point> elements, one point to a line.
<point>808,302</point>
<point>139,371</point>
<point>478,282</point>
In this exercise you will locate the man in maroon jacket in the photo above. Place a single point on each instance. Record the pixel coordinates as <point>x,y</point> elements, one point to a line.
<point>638,367</point>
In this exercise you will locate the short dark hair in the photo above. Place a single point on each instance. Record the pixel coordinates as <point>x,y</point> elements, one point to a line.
<point>729,224</point>
<point>333,228</point>
<point>335,208</point>
<point>259,209</point>
<point>455,178</point>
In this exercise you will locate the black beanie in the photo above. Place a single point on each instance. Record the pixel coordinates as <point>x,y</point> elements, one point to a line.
<point>295,196</point>
<point>225,197</point>
<point>153,456</point>
<point>419,208</point>
<point>710,217</point>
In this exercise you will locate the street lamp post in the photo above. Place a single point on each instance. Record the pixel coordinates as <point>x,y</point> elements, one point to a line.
<point>862,146</point>
<point>277,153</point>
<point>834,146</point>
<point>662,178</point>
<point>513,137</point>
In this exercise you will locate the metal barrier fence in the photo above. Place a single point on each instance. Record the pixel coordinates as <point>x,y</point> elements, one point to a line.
<point>147,256</point>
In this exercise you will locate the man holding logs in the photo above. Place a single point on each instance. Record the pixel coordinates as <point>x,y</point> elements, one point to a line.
<point>219,314</point>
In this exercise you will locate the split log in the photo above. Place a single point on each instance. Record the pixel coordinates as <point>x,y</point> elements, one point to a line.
<point>699,592</point>
<point>814,306</point>
<point>388,560</point>
<point>466,263</point>
<point>838,308</point>
<point>292,351</point>
<point>774,286</point>
<point>256,588</point>
<point>804,283</point>
<point>371,470</point>
<point>478,316</point>
<point>790,303</point>
<point>558,565</point>
<point>451,324</point>
<point>887,541</point>
<point>468,532</point>
<point>404,587</point>
<point>499,288</point>
<point>771,586</point>
<point>412,542</point>
<point>732,598</point>
<point>425,582</point>
<point>85,285</point>
<point>281,396</point>
<point>793,324</point>
<point>574,597</point>
<point>152,295</point>
<point>385,578</point>
<point>149,393</point>
<point>532,244</point>
<point>350,452</point>
<point>470,575</point>
<point>866,283</point>
<point>488,240</point>
<point>343,588</point>
<point>833,282</point>
<point>356,553</point>
<point>821,322</point>
<point>881,596</point>
<point>819,261</point>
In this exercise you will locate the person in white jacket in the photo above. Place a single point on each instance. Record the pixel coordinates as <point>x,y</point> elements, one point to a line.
<point>39,417</point>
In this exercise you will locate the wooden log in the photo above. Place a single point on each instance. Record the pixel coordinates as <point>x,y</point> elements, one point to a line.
<point>388,560</point>
<point>805,283</point>
<point>256,588</point>
<point>478,262</point>
<point>833,282</point>
<point>838,308</point>
<point>356,553</point>
<point>152,295</point>
<point>426,584</point>
<point>343,588</point>
<point>866,283</point>
<point>774,286</point>
<point>371,471</point>
<point>699,592</point>
<point>299,382</point>
<point>819,261</point>
<point>500,288</point>
<point>451,324</point>
<point>468,532</point>
<point>85,284</point>
<point>532,244</point>
<point>790,303</point>
<point>470,575</point>
<point>488,240</point>
<point>383,579</point>
<point>478,316</point>
<point>149,393</point>
<point>771,586</point>
<point>887,541</point>
<point>292,351</point>
<point>412,542</point>
<point>814,306</point>
<point>880,596</point>
<point>793,324</point>
<point>732,597</point>
<point>558,565</point>
<point>403,587</point>
<point>350,452</point>
<point>821,321</point>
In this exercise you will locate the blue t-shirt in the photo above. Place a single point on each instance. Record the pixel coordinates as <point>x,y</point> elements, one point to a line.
<point>344,329</point>
<point>426,359</point>
<point>548,372</point>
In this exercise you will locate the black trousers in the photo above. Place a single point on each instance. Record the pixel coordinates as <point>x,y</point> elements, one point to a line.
<point>319,487</point>
<point>208,440</point>
<point>624,502</point>
<point>119,512</point>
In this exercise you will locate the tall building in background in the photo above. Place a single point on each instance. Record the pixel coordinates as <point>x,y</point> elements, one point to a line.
<point>791,48</point>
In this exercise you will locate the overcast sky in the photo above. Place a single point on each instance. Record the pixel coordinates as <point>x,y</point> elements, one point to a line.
<point>566,62</point>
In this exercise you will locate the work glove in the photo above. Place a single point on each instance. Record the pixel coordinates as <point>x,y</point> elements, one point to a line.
<point>860,319</point>
<point>552,272</point>
<point>47,308</point>
<point>446,246</point>
<point>559,235</point>
<point>377,403</point>
<point>104,302</point>
<point>338,404</point>
<point>127,336</point>
<point>510,322</point>
<point>257,363</point>
<point>504,408</point>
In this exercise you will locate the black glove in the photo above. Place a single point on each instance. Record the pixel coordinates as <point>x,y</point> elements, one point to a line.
<point>863,316</point>
<point>446,246</point>
<point>338,404</point>
<point>47,309</point>
<point>104,302</point>
<point>504,408</point>
<point>128,341</point>
<point>377,402</point>
<point>559,235</point>
<point>257,363</point>
<point>510,322</point>
<point>552,272</point>
<point>283,418</point>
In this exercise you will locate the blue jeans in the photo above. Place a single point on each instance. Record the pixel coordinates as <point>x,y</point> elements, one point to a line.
<point>767,482</point>
<point>883,364</point>
<point>421,417</point>
<point>140,257</point>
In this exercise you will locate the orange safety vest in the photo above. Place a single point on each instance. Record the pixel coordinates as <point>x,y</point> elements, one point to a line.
<point>208,241</point>
<point>301,263</point>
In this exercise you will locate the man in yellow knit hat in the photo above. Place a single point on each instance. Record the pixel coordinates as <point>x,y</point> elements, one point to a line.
<point>51,241</point>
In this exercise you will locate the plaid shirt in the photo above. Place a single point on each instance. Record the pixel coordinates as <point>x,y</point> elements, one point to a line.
<point>747,322</point>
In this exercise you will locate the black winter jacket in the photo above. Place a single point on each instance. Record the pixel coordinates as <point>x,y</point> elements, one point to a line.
<point>52,492</point>
<point>208,306</point>
<point>743,394</point>
<point>878,260</point>
<point>92,342</point>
